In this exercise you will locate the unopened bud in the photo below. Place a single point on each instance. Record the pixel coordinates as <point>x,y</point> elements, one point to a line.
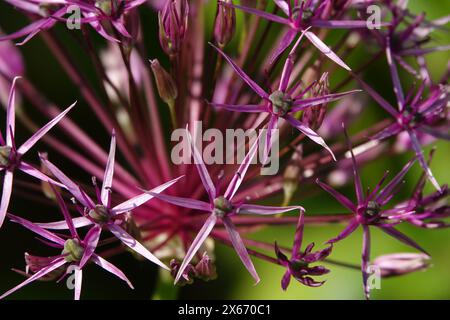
<point>36,263</point>
<point>401,263</point>
<point>173,22</point>
<point>225,24</point>
<point>314,116</point>
<point>205,268</point>
<point>188,274</point>
<point>167,88</point>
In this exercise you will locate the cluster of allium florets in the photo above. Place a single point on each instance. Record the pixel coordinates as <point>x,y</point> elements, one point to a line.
<point>172,214</point>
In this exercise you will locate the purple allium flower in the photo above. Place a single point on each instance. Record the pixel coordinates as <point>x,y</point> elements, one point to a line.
<point>11,155</point>
<point>302,15</point>
<point>280,103</point>
<point>298,266</point>
<point>221,207</point>
<point>368,211</point>
<point>96,13</point>
<point>75,252</point>
<point>101,213</point>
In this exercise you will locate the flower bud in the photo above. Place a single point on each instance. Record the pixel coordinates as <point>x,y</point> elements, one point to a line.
<point>188,274</point>
<point>173,22</point>
<point>36,263</point>
<point>225,24</point>
<point>401,263</point>
<point>205,268</point>
<point>313,116</point>
<point>167,88</point>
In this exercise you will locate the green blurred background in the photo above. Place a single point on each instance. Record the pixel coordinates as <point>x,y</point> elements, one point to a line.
<point>234,282</point>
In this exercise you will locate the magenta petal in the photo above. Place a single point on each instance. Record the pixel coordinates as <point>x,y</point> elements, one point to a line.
<point>252,84</point>
<point>196,244</point>
<point>240,173</point>
<point>271,126</point>
<point>285,280</point>
<point>90,244</point>
<point>129,241</point>
<point>391,186</point>
<point>68,183</point>
<point>423,163</point>
<point>377,97</point>
<point>78,222</point>
<point>55,265</point>
<point>366,259</point>
<point>264,210</point>
<point>30,170</point>
<point>201,168</point>
<point>11,114</point>
<point>42,131</point>
<point>283,5</point>
<point>184,202</point>
<point>306,103</point>
<point>403,238</point>
<point>259,13</point>
<point>338,196</point>
<point>6,194</point>
<point>252,108</point>
<point>78,281</point>
<point>284,43</point>
<point>342,24</point>
<point>346,232</point>
<point>309,133</point>
<point>239,246</point>
<point>66,214</point>
<point>298,237</point>
<point>110,268</point>
<point>36,229</point>
<point>142,198</point>
<point>358,185</point>
<point>395,78</point>
<point>315,40</point>
<point>109,173</point>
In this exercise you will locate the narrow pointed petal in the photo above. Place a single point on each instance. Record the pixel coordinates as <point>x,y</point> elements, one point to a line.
<point>377,97</point>
<point>298,237</point>
<point>90,244</point>
<point>55,265</point>
<point>239,246</point>
<point>343,24</point>
<point>358,184</point>
<point>240,173</point>
<point>142,198</point>
<point>315,40</point>
<point>36,229</point>
<point>288,38</point>
<point>66,214</point>
<point>109,173</point>
<point>435,133</point>
<point>70,185</point>
<point>184,202</point>
<point>423,163</point>
<point>259,13</point>
<point>129,241</point>
<point>78,282</point>
<point>283,5</point>
<point>42,131</point>
<point>392,185</point>
<point>11,114</point>
<point>196,244</point>
<point>346,232</point>
<point>285,280</point>
<point>309,133</point>
<point>30,170</point>
<point>6,194</point>
<point>398,90</point>
<point>271,126</point>
<point>252,84</point>
<point>366,260</point>
<point>110,268</point>
<point>201,168</point>
<point>78,222</point>
<point>265,210</point>
<point>251,108</point>
<point>306,103</point>
<point>338,196</point>
<point>403,238</point>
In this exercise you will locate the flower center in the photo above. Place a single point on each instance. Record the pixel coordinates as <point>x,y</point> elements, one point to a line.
<point>298,265</point>
<point>5,156</point>
<point>372,209</point>
<point>306,14</point>
<point>222,206</point>
<point>281,102</point>
<point>99,213</point>
<point>73,250</point>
